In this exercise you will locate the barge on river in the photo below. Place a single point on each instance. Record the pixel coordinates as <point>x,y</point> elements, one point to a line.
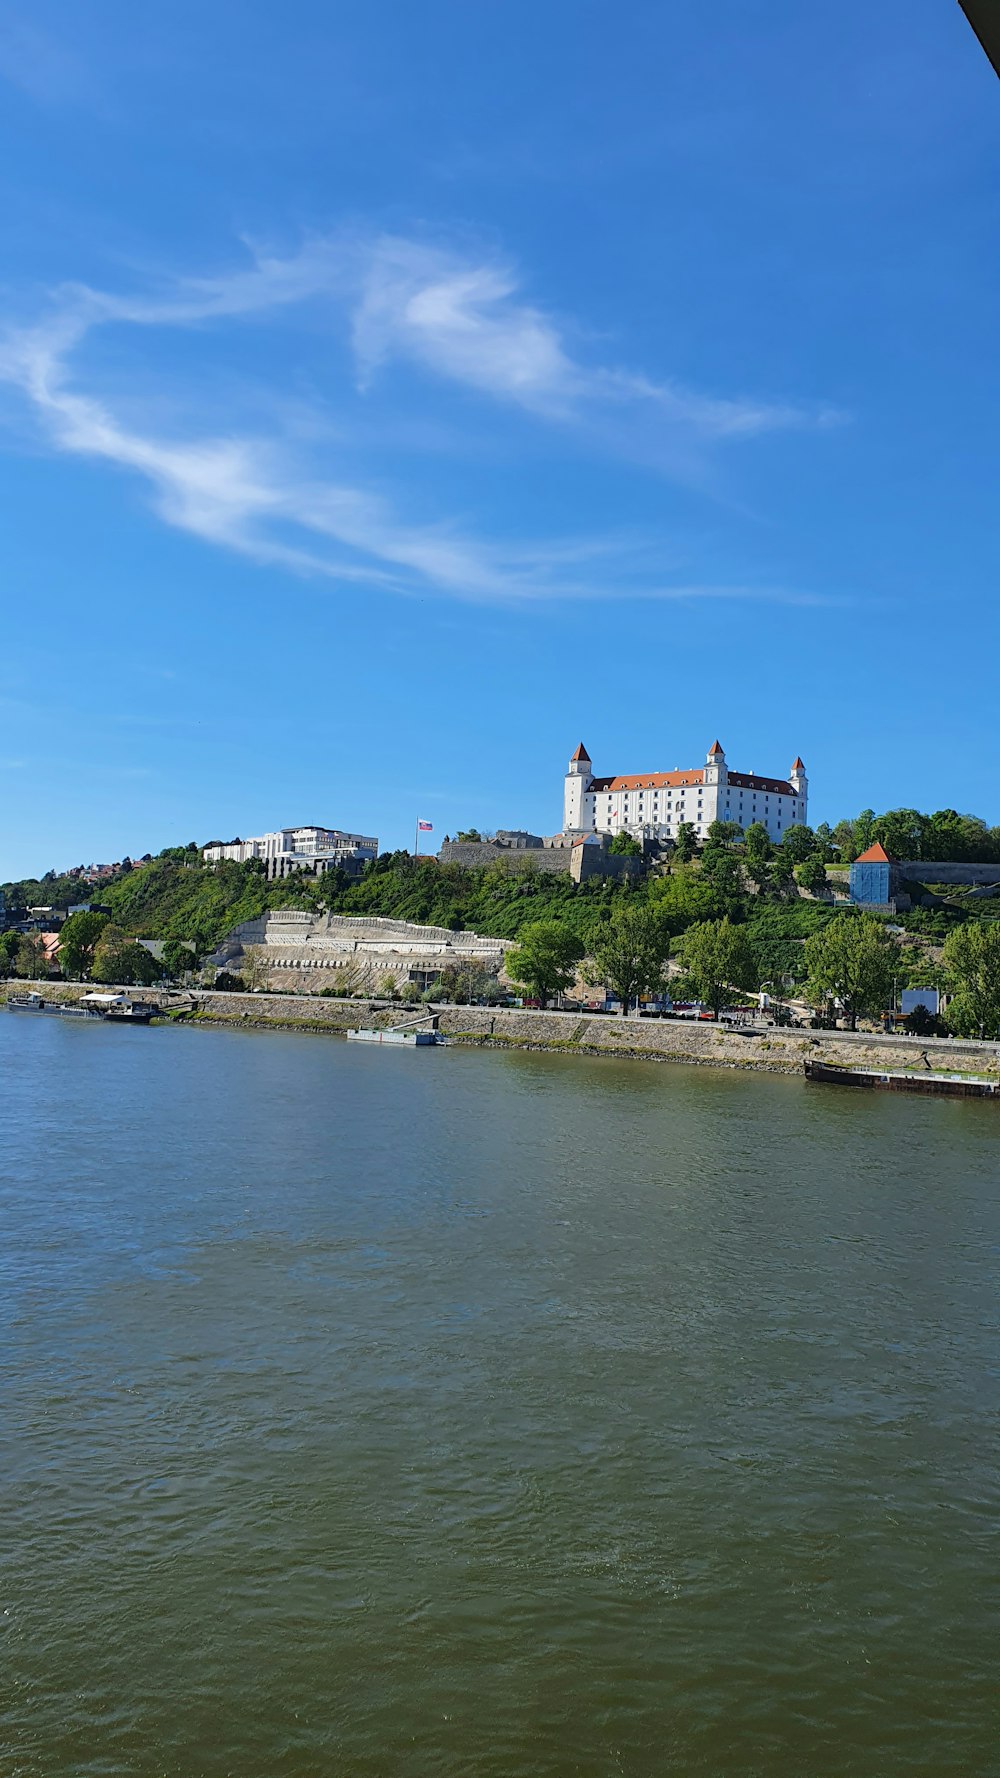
<point>116,1008</point>
<point>952,1086</point>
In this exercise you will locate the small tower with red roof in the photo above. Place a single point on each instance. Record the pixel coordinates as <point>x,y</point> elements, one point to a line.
<point>716,772</point>
<point>579,777</point>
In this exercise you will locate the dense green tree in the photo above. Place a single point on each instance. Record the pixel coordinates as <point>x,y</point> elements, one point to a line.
<point>854,960</point>
<point>78,938</point>
<point>683,898</point>
<point>825,847</point>
<point>31,959</point>
<point>757,853</point>
<point>469,836</point>
<point>624,845</point>
<point>797,842</point>
<point>121,962</point>
<point>903,832</point>
<point>720,867</point>
<point>9,942</point>
<point>724,833</point>
<point>718,962</point>
<point>178,958</point>
<point>629,952</point>
<point>685,843</point>
<point>545,960</point>
<point>971,960</point>
<point>864,830</point>
<point>780,879</point>
<point>811,873</point>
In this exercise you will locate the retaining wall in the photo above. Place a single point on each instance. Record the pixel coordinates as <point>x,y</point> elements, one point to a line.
<point>778,1051</point>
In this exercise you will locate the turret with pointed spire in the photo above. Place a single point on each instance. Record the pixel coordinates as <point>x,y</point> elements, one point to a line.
<point>715,765</point>
<point>578,780</point>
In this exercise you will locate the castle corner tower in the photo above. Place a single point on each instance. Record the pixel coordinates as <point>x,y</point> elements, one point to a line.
<point>579,777</point>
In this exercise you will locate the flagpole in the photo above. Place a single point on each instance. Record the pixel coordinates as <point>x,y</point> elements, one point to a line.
<point>416,840</point>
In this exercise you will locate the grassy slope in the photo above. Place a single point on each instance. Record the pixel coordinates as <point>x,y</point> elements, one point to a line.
<point>177,896</point>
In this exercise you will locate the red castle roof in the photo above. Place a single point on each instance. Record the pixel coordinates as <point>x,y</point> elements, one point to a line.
<point>875,855</point>
<point>581,753</point>
<point>715,748</point>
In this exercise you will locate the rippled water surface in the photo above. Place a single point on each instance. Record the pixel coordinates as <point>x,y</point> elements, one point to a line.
<point>432,1412</point>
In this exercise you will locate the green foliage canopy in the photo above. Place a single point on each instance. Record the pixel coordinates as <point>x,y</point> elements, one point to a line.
<point>971,959</point>
<point>854,960</point>
<point>545,960</point>
<point>629,951</point>
<point>78,939</point>
<point>717,959</point>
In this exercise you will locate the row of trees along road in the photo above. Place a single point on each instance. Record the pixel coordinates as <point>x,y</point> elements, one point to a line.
<point>853,961</point>
<point>629,953</point>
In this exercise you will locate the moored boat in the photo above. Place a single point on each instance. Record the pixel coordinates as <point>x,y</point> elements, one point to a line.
<point>953,1086</point>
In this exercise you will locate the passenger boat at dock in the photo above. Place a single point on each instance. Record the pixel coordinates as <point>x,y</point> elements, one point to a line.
<point>952,1086</point>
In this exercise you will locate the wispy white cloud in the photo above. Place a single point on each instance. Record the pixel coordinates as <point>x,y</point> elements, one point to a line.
<point>464,318</point>
<point>460,318</point>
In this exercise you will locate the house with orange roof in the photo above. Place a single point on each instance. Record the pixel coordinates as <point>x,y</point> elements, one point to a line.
<point>652,805</point>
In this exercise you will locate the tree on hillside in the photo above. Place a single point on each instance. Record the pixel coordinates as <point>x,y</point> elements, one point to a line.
<point>824,843</point>
<point>625,846</point>
<point>685,843</point>
<point>724,833</point>
<point>971,958</point>
<point>779,879</point>
<point>629,952</point>
<point>718,962</point>
<point>797,842</point>
<point>684,898</point>
<point>757,853</point>
<point>545,960</point>
<point>853,960</point>
<point>469,836</point>
<point>903,832</point>
<point>720,864</point>
<point>811,874</point>
<point>77,942</point>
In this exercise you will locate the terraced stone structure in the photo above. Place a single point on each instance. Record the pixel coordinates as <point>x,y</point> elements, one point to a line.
<point>359,952</point>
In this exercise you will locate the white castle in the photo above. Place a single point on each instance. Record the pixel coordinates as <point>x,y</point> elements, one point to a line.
<point>652,805</point>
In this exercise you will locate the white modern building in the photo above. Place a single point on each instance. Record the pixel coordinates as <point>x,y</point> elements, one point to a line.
<point>297,848</point>
<point>652,805</point>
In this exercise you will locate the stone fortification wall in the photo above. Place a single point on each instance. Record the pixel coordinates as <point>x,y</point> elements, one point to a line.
<point>925,871</point>
<point>475,854</point>
<point>555,855</point>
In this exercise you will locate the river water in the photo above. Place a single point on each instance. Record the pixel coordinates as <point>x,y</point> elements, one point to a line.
<point>435,1412</point>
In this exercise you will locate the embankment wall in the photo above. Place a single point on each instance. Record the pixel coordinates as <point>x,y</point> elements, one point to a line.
<point>776,1051</point>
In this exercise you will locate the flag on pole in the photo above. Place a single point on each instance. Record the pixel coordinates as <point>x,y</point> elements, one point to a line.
<point>425,827</point>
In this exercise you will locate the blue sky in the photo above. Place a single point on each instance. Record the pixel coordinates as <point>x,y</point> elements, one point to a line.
<point>392,396</point>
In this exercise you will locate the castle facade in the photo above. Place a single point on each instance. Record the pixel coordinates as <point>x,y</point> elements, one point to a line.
<point>652,805</point>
